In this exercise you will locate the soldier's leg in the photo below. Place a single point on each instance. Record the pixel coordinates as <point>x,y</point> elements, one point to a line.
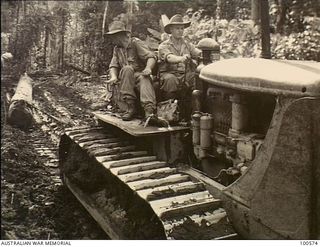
<point>147,94</point>
<point>127,91</point>
<point>127,83</point>
<point>184,94</point>
<point>169,85</point>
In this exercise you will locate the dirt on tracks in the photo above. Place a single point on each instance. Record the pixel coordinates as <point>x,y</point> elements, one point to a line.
<point>34,202</point>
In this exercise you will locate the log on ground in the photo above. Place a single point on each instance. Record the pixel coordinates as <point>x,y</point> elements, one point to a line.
<point>20,109</point>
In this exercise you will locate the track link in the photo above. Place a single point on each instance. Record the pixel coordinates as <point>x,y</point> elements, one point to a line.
<point>183,205</point>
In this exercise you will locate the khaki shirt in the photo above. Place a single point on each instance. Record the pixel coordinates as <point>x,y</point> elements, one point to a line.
<point>167,47</point>
<point>136,55</point>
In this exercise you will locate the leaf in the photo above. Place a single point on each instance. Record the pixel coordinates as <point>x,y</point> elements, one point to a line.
<point>255,30</point>
<point>164,19</point>
<point>152,43</point>
<point>250,23</point>
<point>154,33</point>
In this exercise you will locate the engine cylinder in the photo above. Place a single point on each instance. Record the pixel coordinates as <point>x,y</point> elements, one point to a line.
<point>196,128</point>
<point>239,114</point>
<point>206,125</point>
<point>196,101</point>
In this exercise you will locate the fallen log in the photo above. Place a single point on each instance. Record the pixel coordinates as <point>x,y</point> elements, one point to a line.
<point>77,68</point>
<point>20,108</point>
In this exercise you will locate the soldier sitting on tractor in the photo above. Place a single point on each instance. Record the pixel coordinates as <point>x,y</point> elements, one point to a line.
<point>132,63</point>
<point>177,71</point>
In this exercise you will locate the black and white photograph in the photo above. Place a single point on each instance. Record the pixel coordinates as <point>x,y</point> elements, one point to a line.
<point>160,120</point>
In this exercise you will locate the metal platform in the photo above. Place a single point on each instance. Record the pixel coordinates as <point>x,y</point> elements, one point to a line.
<point>135,127</point>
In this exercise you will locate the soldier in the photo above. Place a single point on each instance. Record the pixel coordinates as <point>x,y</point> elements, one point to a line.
<point>176,54</point>
<point>132,63</point>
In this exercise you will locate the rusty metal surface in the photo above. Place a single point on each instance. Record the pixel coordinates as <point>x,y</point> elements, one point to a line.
<point>280,191</point>
<point>264,75</point>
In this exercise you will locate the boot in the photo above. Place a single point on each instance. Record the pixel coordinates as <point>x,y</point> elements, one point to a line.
<point>149,111</point>
<point>131,110</point>
<point>152,119</point>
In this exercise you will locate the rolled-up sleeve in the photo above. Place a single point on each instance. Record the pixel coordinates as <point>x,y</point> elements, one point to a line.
<point>114,61</point>
<point>164,51</point>
<point>143,51</point>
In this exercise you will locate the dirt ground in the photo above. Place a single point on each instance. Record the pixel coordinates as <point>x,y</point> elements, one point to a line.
<point>34,202</point>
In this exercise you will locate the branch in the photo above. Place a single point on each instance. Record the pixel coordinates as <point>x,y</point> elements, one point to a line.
<point>77,68</point>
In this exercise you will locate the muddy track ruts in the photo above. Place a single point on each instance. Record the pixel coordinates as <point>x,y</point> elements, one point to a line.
<point>34,203</point>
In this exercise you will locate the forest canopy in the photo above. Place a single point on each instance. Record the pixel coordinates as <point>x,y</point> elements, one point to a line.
<point>51,35</point>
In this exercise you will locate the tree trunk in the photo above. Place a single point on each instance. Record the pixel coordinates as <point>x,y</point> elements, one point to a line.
<point>105,17</point>
<point>20,111</point>
<point>130,12</point>
<point>46,37</point>
<point>90,55</point>
<point>265,29</point>
<point>281,17</point>
<point>16,30</point>
<point>316,8</point>
<point>83,54</point>
<point>24,8</point>
<point>62,43</point>
<point>255,11</point>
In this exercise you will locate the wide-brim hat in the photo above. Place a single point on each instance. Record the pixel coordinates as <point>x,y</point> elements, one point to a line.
<point>176,20</point>
<point>117,27</point>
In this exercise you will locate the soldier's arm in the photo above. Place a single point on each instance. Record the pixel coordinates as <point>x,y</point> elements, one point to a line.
<point>113,73</point>
<point>175,59</point>
<point>150,63</point>
<point>145,53</point>
<point>113,68</point>
<point>168,56</point>
<point>149,66</point>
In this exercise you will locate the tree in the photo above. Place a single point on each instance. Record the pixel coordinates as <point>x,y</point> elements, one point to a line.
<point>265,29</point>
<point>255,11</point>
<point>62,12</point>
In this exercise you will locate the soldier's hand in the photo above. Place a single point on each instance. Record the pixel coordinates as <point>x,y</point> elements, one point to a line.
<point>146,72</point>
<point>185,58</point>
<point>112,80</point>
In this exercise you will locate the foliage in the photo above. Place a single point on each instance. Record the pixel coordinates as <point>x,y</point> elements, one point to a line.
<point>293,13</point>
<point>236,37</point>
<point>30,21</point>
<point>51,34</point>
<point>89,48</point>
<point>241,38</point>
<point>234,9</point>
<point>149,14</point>
<point>299,46</point>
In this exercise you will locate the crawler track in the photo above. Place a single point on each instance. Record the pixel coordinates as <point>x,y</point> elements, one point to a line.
<point>132,194</point>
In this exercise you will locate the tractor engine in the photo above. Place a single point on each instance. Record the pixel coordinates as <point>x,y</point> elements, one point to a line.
<point>255,134</point>
<point>228,130</point>
<point>228,125</point>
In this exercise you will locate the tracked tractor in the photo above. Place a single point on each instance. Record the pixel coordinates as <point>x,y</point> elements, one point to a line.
<point>247,166</point>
